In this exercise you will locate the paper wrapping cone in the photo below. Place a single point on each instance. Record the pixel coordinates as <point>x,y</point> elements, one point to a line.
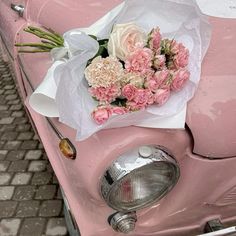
<point>43,98</point>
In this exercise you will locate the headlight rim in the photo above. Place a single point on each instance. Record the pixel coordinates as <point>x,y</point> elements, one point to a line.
<point>168,158</point>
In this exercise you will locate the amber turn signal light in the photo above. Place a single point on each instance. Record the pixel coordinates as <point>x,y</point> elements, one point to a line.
<point>67,148</point>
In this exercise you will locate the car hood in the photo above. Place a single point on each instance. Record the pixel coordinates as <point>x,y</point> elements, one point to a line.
<point>211,114</point>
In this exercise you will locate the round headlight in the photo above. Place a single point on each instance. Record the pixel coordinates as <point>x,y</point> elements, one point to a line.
<point>139,178</point>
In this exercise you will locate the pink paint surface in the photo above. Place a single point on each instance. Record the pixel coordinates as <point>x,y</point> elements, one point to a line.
<point>203,190</point>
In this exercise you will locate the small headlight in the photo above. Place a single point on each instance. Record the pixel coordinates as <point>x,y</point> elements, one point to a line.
<point>139,178</point>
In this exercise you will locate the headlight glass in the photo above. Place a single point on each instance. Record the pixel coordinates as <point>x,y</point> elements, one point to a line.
<point>133,182</point>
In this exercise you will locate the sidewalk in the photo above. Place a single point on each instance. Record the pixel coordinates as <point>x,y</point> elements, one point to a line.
<point>30,199</point>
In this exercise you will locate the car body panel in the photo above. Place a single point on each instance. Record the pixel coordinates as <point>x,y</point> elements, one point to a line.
<point>184,210</point>
<point>212,112</point>
<point>205,190</point>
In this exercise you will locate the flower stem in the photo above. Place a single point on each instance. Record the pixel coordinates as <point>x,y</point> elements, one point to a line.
<point>44,36</point>
<point>34,51</point>
<point>40,45</point>
<point>54,35</point>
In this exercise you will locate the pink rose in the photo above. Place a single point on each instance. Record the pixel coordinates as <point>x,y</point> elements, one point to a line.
<point>162,77</point>
<point>108,94</point>
<point>119,110</point>
<point>181,57</point>
<point>124,39</point>
<point>141,97</point>
<point>161,96</point>
<point>154,40</point>
<point>158,80</point>
<point>140,61</point>
<point>174,47</point>
<point>133,106</point>
<point>101,114</point>
<point>150,97</point>
<point>151,84</point>
<point>129,91</point>
<point>179,79</point>
<point>159,62</point>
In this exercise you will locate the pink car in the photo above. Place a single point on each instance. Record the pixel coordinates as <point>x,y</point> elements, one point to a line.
<point>142,181</point>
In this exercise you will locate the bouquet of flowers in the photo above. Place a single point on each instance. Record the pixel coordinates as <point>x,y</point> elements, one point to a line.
<point>122,70</point>
<point>135,70</point>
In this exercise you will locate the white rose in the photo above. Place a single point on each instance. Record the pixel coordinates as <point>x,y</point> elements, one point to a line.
<point>124,38</point>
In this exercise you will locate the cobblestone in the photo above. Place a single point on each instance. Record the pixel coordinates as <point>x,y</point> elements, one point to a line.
<point>4,114</point>
<point>18,166</point>
<point>18,113</point>
<point>41,178</point>
<point>27,209</point>
<point>56,227</point>
<point>50,208</point>
<point>6,192</point>
<point>15,155</point>
<point>7,128</point>
<point>12,145</point>
<point>30,198</point>
<point>15,107</point>
<point>6,120</point>
<point>3,107</point>
<point>4,165</point>
<point>29,144</point>
<point>5,178</point>
<point>3,154</point>
<point>25,136</point>
<point>23,127</point>
<point>33,155</point>
<point>9,227</point>
<point>7,208</point>
<point>21,178</point>
<point>23,193</point>
<point>33,227</point>
<point>9,136</point>
<point>46,192</point>
<point>37,166</point>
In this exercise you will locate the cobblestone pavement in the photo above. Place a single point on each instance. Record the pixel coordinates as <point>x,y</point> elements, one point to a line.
<point>30,199</point>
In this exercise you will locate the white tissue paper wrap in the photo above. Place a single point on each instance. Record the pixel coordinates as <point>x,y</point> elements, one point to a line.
<point>178,19</point>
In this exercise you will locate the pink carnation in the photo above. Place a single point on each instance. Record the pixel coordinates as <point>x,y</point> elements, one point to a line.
<point>129,91</point>
<point>161,96</point>
<point>108,94</point>
<point>119,110</point>
<point>140,61</point>
<point>179,79</point>
<point>154,41</point>
<point>101,114</point>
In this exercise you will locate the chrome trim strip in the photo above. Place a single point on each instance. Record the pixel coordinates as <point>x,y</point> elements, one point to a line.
<point>5,45</point>
<point>223,232</point>
<point>22,68</point>
<point>58,133</point>
<point>70,217</point>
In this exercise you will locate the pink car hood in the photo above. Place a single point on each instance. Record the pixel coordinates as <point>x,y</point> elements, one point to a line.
<point>211,114</point>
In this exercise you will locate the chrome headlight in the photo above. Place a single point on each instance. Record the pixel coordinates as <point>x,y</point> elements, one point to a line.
<point>139,178</point>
